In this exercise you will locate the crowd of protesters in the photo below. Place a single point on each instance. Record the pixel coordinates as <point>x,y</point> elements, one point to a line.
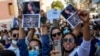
<point>84,40</point>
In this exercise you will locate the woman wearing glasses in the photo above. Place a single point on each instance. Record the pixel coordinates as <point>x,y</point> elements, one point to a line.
<point>55,34</point>
<point>35,48</point>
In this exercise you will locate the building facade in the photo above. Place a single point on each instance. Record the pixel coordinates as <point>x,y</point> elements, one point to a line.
<point>8,10</point>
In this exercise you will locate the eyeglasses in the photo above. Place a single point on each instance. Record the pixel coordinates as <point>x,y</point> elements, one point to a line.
<point>15,35</point>
<point>36,47</point>
<point>58,33</point>
<point>69,40</point>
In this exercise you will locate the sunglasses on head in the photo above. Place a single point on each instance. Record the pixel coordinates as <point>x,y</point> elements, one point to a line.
<point>15,35</point>
<point>69,40</point>
<point>58,33</point>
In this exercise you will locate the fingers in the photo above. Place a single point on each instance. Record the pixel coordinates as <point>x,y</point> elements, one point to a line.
<point>54,52</point>
<point>20,19</point>
<point>83,13</point>
<point>77,10</point>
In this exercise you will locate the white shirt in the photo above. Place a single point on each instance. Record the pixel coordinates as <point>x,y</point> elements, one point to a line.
<point>83,49</point>
<point>15,50</point>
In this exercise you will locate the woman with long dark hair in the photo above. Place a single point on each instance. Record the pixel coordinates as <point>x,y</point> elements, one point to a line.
<point>30,8</point>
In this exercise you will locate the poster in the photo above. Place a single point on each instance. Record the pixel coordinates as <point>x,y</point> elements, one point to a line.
<point>74,20</point>
<point>31,7</point>
<point>31,20</point>
<point>69,13</point>
<point>53,14</point>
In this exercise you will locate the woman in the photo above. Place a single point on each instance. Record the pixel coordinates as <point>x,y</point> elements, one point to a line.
<point>69,43</point>
<point>56,34</point>
<point>35,48</point>
<point>30,8</point>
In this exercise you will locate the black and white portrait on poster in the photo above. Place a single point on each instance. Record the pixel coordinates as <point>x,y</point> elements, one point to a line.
<point>74,20</point>
<point>31,21</point>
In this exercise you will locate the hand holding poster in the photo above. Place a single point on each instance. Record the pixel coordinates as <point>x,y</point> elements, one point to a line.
<point>31,16</point>
<point>31,21</point>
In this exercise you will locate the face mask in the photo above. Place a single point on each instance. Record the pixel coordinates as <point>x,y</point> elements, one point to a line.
<point>66,31</point>
<point>14,42</point>
<point>34,53</point>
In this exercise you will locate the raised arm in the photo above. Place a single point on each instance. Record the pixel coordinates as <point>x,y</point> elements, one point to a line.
<point>30,34</point>
<point>85,18</point>
<point>84,48</point>
<point>21,42</point>
<point>45,41</point>
<point>21,30</point>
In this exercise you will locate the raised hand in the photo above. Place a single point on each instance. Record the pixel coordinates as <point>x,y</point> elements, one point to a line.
<point>84,15</point>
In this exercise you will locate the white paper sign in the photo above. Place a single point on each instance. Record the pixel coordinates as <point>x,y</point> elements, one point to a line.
<point>53,14</point>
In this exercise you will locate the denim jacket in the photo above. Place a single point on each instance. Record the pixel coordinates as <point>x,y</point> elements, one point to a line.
<point>45,45</point>
<point>22,47</point>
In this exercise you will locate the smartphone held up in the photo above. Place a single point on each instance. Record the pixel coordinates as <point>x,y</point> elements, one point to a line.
<point>57,47</point>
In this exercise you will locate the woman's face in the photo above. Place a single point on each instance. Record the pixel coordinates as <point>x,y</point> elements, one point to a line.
<point>56,34</point>
<point>29,7</point>
<point>33,44</point>
<point>67,11</point>
<point>68,42</point>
